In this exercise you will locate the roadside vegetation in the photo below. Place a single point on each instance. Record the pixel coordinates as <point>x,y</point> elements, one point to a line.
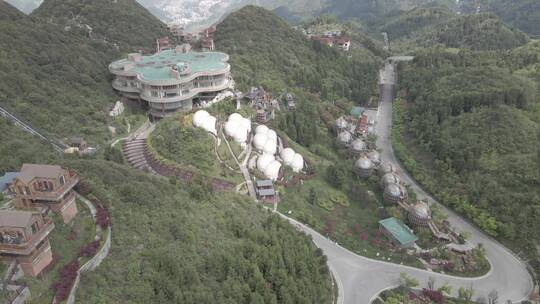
<point>472,140</point>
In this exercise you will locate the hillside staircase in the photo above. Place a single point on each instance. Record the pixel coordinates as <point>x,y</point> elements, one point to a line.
<point>134,153</point>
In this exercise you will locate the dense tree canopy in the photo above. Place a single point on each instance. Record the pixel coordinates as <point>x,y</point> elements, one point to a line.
<point>266,50</point>
<point>476,32</point>
<point>474,118</point>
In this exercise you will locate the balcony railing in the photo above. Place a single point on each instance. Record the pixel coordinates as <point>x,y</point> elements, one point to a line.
<point>56,194</point>
<point>26,247</point>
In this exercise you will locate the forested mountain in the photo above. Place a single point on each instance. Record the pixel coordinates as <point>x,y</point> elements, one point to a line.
<point>7,11</point>
<point>123,22</point>
<point>265,50</point>
<point>406,23</point>
<point>471,130</point>
<point>55,79</point>
<point>370,11</point>
<point>475,32</point>
<point>524,14</point>
<point>54,75</point>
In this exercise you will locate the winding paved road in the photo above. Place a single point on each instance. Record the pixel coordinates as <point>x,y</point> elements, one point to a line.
<point>360,279</point>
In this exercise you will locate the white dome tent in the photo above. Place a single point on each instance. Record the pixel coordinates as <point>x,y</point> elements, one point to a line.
<point>297,163</point>
<point>272,170</point>
<point>265,140</point>
<point>205,121</point>
<point>259,141</point>
<point>270,147</point>
<point>292,159</point>
<point>238,128</point>
<point>287,155</point>
<point>261,129</point>
<point>263,161</point>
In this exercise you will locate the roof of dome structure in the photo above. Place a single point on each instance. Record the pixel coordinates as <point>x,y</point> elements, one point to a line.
<point>271,134</point>
<point>272,170</point>
<point>358,145</point>
<point>364,163</point>
<point>421,210</point>
<point>263,161</point>
<point>234,117</point>
<point>240,135</point>
<point>341,123</point>
<point>259,140</point>
<point>231,127</point>
<point>297,163</point>
<point>374,156</point>
<point>261,129</point>
<point>287,155</point>
<point>270,147</point>
<point>393,190</point>
<point>389,178</point>
<point>199,117</point>
<point>246,124</point>
<point>386,167</point>
<point>209,124</point>
<point>345,137</point>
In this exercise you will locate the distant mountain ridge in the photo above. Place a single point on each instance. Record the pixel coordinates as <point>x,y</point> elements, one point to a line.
<point>524,14</point>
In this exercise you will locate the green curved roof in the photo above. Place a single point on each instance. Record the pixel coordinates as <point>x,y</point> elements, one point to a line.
<point>157,66</point>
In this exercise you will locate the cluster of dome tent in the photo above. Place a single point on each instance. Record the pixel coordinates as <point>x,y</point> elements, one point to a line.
<point>266,143</point>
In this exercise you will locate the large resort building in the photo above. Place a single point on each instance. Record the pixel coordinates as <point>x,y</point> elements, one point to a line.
<point>172,80</point>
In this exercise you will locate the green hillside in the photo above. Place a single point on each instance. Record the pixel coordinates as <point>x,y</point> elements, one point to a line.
<point>370,11</point>
<point>53,75</point>
<point>469,133</point>
<point>124,22</point>
<point>265,50</point>
<point>9,12</point>
<point>56,80</point>
<point>176,244</point>
<point>523,14</point>
<point>475,32</point>
<point>406,23</point>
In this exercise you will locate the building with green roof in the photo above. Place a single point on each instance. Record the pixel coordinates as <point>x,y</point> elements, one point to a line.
<point>172,80</point>
<point>397,232</point>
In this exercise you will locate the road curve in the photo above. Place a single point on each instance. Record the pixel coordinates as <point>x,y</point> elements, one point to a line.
<point>361,279</point>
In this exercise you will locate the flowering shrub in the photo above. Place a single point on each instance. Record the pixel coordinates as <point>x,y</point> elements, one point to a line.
<point>433,295</point>
<point>102,216</point>
<point>89,250</point>
<point>68,274</point>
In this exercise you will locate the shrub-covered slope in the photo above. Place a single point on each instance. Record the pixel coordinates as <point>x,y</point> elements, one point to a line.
<point>471,130</point>
<point>476,32</point>
<point>124,22</point>
<point>264,49</point>
<point>181,244</point>
<point>406,23</point>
